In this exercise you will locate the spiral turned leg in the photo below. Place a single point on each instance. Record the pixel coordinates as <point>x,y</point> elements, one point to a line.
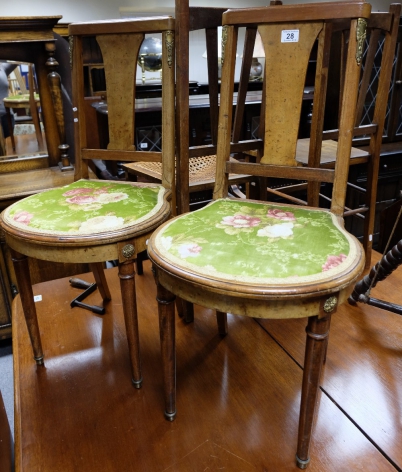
<point>391,261</point>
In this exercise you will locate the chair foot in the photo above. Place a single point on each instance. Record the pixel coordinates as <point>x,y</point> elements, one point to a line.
<point>39,360</point>
<point>137,383</point>
<point>170,416</point>
<point>302,464</point>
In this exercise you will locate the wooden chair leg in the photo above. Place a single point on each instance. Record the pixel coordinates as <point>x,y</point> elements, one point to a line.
<point>100,279</point>
<point>222,320</point>
<point>168,347</point>
<point>21,268</point>
<point>317,334</point>
<point>128,295</point>
<point>187,311</point>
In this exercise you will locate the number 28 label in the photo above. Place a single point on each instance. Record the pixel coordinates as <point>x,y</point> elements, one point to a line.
<point>290,36</point>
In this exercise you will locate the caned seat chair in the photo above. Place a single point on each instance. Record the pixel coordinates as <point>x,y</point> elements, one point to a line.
<point>263,259</point>
<point>95,220</point>
<point>195,164</point>
<point>377,65</point>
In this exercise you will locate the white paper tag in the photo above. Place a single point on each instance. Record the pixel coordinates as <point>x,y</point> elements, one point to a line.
<point>37,298</point>
<point>144,145</point>
<point>290,36</point>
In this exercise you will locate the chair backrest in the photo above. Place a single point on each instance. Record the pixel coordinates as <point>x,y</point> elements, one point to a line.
<point>193,19</point>
<point>288,35</point>
<point>17,83</point>
<point>120,41</point>
<point>189,19</point>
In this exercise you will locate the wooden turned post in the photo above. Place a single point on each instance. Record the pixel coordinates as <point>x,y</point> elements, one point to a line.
<point>54,82</point>
<point>128,294</point>
<point>21,268</point>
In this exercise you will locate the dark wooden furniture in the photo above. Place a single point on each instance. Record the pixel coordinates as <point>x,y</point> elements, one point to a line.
<point>31,39</point>
<point>215,257</point>
<point>96,225</point>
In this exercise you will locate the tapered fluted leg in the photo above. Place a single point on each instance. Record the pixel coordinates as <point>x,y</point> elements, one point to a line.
<point>168,347</point>
<point>317,334</point>
<point>128,295</point>
<point>21,267</point>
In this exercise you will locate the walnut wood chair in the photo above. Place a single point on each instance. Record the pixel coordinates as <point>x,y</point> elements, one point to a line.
<point>95,220</point>
<point>377,65</point>
<point>260,259</point>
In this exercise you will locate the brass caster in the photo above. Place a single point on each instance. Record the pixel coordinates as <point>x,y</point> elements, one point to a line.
<point>170,416</point>
<point>137,383</point>
<point>39,360</point>
<point>302,464</point>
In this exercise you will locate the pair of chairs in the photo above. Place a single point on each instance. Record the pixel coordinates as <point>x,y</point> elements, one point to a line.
<point>244,257</point>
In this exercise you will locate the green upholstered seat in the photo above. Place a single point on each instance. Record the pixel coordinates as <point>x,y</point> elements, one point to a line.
<point>86,207</point>
<point>257,243</point>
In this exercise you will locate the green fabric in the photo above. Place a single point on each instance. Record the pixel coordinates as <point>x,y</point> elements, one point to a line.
<point>86,207</point>
<point>233,239</point>
<point>23,96</point>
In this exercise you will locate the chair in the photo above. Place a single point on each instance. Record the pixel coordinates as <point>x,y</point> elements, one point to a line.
<point>195,164</point>
<point>377,66</point>
<point>261,259</point>
<point>95,221</point>
<point>25,99</point>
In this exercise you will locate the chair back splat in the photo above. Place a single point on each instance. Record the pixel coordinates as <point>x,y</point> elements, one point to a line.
<point>122,48</point>
<point>269,259</point>
<point>95,221</point>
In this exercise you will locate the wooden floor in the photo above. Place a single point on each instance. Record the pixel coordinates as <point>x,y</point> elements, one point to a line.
<point>238,397</point>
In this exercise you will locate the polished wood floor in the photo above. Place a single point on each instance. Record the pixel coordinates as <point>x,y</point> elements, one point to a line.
<point>238,397</point>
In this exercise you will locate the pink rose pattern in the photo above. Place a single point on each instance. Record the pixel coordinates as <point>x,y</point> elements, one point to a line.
<point>77,191</point>
<point>281,215</point>
<point>86,196</point>
<point>333,261</point>
<point>241,221</point>
<point>23,217</point>
<point>82,199</point>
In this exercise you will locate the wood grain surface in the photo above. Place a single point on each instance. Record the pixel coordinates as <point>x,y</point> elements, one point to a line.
<point>238,396</point>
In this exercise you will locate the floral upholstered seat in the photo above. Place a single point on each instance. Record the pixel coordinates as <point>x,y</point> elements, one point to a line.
<point>257,243</point>
<point>86,207</point>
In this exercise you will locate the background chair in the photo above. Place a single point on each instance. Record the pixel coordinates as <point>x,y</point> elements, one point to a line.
<point>262,259</point>
<point>21,98</point>
<point>195,164</point>
<point>371,112</point>
<point>94,221</point>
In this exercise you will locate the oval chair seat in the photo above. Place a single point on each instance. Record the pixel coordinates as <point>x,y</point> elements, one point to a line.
<point>88,211</point>
<point>258,250</point>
